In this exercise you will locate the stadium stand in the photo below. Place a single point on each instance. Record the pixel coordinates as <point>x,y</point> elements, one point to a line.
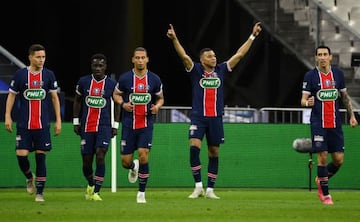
<point>315,22</point>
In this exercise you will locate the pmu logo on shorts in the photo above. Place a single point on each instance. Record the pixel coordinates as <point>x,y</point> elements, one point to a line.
<point>34,94</point>
<point>95,101</point>
<point>140,98</point>
<point>210,83</point>
<point>327,94</point>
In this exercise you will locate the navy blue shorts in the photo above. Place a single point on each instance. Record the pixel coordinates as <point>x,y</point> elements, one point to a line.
<point>132,139</point>
<point>212,127</point>
<point>33,139</point>
<point>93,140</point>
<point>329,139</point>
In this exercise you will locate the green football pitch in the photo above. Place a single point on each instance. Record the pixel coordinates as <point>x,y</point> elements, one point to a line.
<point>172,204</point>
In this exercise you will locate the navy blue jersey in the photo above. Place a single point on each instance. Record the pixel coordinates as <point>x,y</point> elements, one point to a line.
<point>208,90</point>
<point>325,87</point>
<point>96,103</point>
<point>33,90</point>
<point>141,91</point>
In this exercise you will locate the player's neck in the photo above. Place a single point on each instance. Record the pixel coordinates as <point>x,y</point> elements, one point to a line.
<point>208,69</point>
<point>324,69</point>
<point>34,69</point>
<point>140,72</point>
<point>99,77</point>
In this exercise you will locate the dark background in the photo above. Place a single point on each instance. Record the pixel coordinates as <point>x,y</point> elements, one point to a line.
<point>268,76</point>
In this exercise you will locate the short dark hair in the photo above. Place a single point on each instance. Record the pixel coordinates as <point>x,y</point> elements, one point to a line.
<point>322,47</point>
<point>204,50</point>
<point>99,56</point>
<point>142,49</point>
<point>35,47</point>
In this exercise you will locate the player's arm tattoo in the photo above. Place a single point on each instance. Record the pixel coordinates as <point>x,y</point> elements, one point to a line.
<point>347,103</point>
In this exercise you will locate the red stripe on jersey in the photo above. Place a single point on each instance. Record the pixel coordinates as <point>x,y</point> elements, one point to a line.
<point>93,115</point>
<point>328,107</point>
<point>34,82</point>
<point>209,102</point>
<point>140,110</point>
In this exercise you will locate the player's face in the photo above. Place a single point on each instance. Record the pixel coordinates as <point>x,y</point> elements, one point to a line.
<point>98,67</point>
<point>208,59</point>
<point>37,59</point>
<point>323,58</point>
<point>140,60</point>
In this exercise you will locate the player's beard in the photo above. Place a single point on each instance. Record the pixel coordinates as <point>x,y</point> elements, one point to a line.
<point>140,67</point>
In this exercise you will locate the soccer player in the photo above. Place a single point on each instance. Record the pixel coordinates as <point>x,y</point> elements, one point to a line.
<point>93,98</point>
<point>207,78</point>
<point>323,89</point>
<point>34,85</point>
<point>140,94</point>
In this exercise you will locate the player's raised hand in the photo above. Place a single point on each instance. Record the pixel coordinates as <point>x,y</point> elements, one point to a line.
<point>171,32</point>
<point>257,29</point>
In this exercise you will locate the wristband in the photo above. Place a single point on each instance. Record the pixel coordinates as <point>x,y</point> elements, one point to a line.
<point>116,125</point>
<point>76,121</point>
<point>252,37</point>
<point>121,104</point>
